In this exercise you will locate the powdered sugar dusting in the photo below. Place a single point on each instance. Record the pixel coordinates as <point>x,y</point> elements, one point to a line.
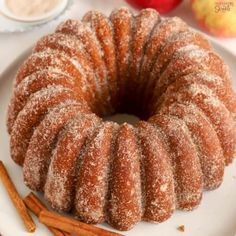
<point>36,107</point>
<point>157,178</point>
<point>144,24</point>
<point>205,140</point>
<point>124,205</point>
<point>182,151</point>
<point>41,144</point>
<point>61,178</point>
<point>91,194</point>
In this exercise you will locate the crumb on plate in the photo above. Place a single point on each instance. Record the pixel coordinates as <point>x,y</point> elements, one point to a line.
<point>181,228</point>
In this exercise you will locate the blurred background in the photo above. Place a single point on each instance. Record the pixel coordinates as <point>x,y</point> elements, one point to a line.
<point>216,18</point>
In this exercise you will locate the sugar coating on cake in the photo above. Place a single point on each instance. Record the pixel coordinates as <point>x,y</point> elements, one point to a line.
<point>156,68</point>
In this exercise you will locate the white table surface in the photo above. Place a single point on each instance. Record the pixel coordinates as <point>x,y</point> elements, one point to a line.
<point>12,44</point>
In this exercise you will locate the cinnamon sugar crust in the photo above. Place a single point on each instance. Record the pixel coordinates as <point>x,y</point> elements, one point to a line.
<point>153,67</point>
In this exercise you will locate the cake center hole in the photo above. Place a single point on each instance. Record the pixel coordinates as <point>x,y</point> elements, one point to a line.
<point>121,118</point>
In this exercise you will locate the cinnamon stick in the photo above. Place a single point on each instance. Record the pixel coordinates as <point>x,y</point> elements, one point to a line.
<point>71,225</point>
<point>36,206</point>
<point>16,199</point>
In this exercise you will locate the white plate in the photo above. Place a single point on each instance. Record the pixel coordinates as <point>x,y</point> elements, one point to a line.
<point>216,216</point>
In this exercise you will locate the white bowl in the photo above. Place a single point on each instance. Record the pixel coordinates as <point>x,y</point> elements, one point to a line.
<point>39,19</point>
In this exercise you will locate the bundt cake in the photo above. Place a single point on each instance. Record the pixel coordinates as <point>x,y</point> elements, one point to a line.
<point>156,68</point>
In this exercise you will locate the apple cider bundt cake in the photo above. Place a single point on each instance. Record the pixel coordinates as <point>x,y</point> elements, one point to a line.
<point>156,68</point>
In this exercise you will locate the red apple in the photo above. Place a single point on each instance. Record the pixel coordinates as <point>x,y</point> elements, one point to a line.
<point>162,6</point>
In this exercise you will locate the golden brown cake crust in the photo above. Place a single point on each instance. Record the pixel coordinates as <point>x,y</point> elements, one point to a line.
<point>214,110</point>
<point>92,190</point>
<point>32,113</point>
<point>124,199</point>
<point>102,26</point>
<point>42,142</point>
<point>33,83</point>
<point>60,187</point>
<point>185,162</point>
<point>122,23</point>
<point>157,175</point>
<point>143,26</point>
<point>205,139</point>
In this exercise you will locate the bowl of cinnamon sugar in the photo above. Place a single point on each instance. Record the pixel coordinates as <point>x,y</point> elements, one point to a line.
<point>32,11</point>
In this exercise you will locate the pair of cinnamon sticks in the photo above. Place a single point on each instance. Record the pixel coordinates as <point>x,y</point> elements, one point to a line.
<point>37,207</point>
<point>59,225</point>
